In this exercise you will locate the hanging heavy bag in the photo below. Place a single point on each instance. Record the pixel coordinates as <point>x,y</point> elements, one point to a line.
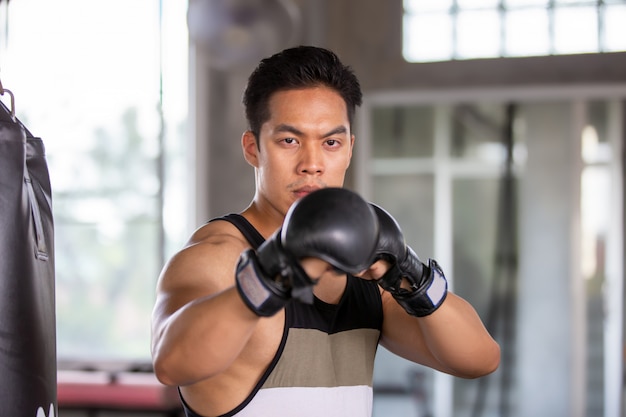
<point>27,284</point>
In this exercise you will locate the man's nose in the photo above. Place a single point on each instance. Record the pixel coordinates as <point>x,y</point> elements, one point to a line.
<point>312,160</point>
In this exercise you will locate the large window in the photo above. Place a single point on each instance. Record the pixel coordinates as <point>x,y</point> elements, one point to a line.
<point>518,196</point>
<point>103,83</point>
<point>442,30</point>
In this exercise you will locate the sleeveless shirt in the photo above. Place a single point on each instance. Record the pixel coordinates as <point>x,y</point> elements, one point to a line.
<point>325,360</point>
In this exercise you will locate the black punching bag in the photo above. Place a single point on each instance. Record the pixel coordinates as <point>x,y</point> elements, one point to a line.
<point>28,370</point>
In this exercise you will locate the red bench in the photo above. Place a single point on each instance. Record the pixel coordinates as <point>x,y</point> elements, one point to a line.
<point>124,391</point>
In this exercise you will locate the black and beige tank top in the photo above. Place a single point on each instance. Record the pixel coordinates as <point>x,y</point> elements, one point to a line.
<point>325,361</point>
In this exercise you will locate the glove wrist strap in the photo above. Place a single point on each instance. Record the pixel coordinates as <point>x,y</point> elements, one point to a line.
<point>424,300</point>
<point>263,296</point>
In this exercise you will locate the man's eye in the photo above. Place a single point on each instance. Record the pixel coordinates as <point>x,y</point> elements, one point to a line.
<point>289,140</point>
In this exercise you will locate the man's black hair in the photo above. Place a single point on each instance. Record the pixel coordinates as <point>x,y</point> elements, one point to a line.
<point>296,68</point>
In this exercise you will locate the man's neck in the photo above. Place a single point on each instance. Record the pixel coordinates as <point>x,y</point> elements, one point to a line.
<point>265,221</point>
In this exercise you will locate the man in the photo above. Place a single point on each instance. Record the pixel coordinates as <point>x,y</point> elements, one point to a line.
<point>233,355</point>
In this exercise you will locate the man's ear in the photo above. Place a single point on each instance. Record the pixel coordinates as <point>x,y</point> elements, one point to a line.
<point>250,148</point>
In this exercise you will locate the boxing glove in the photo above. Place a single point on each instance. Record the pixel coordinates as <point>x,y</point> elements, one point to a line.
<point>332,224</point>
<point>426,286</point>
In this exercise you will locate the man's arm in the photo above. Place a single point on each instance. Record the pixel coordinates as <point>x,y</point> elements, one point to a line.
<point>452,339</point>
<point>200,324</point>
<point>423,322</point>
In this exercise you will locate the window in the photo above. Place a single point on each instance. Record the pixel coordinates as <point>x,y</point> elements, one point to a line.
<point>103,83</point>
<point>513,194</point>
<point>467,29</point>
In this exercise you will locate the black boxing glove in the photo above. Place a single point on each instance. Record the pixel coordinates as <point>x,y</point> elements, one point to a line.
<point>332,224</point>
<point>427,285</point>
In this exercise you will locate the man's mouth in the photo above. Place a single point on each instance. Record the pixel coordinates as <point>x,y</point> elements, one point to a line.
<point>302,191</point>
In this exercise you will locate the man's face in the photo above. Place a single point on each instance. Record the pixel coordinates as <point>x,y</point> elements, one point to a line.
<point>305,145</point>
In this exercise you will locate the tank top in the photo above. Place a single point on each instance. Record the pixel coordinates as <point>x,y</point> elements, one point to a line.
<point>325,360</point>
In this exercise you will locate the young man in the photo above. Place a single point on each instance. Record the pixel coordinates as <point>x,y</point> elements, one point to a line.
<point>233,355</point>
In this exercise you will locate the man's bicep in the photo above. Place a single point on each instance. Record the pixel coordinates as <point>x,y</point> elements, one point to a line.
<point>196,272</point>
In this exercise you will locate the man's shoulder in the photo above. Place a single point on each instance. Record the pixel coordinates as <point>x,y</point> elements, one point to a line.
<point>212,244</point>
<point>207,259</point>
<point>217,232</point>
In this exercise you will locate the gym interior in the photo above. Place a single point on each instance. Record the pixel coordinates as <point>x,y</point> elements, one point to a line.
<point>493,130</point>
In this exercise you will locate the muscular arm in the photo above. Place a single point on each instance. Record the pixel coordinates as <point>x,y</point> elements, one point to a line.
<point>200,324</point>
<point>423,322</point>
<point>452,339</point>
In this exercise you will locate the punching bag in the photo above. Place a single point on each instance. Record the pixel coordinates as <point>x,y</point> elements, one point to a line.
<point>28,370</point>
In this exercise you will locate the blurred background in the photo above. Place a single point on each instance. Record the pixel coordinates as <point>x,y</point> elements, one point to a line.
<point>493,130</point>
